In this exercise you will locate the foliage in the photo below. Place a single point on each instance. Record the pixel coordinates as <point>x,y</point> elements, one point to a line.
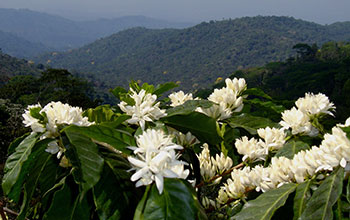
<point>72,168</point>
<point>52,85</point>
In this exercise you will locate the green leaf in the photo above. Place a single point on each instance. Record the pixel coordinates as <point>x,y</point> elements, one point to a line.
<point>188,107</point>
<point>118,139</point>
<point>291,148</point>
<point>113,195</point>
<point>84,156</point>
<point>348,191</point>
<point>161,88</point>
<point>65,205</point>
<point>250,123</point>
<point>266,204</point>
<point>118,92</point>
<point>200,125</point>
<point>256,92</point>
<point>320,204</point>
<point>302,195</point>
<point>267,104</point>
<point>102,113</point>
<point>14,144</point>
<point>40,159</point>
<point>178,201</point>
<point>15,163</point>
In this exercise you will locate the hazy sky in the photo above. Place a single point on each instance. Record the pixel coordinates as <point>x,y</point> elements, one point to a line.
<point>320,11</point>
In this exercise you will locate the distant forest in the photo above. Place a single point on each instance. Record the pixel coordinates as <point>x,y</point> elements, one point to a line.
<point>193,57</point>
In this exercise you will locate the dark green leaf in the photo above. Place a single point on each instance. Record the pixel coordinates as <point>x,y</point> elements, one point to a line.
<point>250,123</point>
<point>160,89</point>
<point>188,107</point>
<point>302,195</point>
<point>14,144</point>
<point>266,204</point>
<point>267,104</point>
<point>118,92</point>
<point>65,205</point>
<point>348,191</point>
<point>178,201</point>
<point>84,156</point>
<point>320,204</point>
<point>291,148</point>
<point>256,92</point>
<point>118,139</point>
<point>200,125</point>
<point>112,196</point>
<point>15,162</point>
<point>40,159</point>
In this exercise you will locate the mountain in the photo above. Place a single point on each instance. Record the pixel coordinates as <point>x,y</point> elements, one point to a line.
<point>11,66</point>
<point>61,33</point>
<point>19,47</point>
<point>195,56</point>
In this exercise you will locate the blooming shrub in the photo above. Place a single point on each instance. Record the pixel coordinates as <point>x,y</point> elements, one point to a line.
<point>183,159</point>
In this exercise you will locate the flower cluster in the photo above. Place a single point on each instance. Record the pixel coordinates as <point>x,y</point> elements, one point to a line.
<point>144,109</point>
<point>155,159</point>
<point>257,150</point>
<point>49,119</point>
<point>227,99</point>
<point>308,107</point>
<point>333,151</point>
<point>211,166</point>
<point>179,98</point>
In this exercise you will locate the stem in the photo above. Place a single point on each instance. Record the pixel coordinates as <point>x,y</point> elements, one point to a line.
<point>220,175</point>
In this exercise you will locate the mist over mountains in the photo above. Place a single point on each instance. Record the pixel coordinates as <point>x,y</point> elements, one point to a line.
<point>55,32</point>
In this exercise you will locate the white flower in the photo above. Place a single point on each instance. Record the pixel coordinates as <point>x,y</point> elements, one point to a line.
<point>226,99</point>
<point>347,123</point>
<point>237,85</point>
<point>156,159</point>
<point>216,111</point>
<point>298,121</point>
<point>207,168</point>
<point>179,98</point>
<point>274,138</point>
<point>144,109</point>
<point>58,113</point>
<point>315,104</point>
<point>29,120</point>
<point>222,163</point>
<point>252,149</point>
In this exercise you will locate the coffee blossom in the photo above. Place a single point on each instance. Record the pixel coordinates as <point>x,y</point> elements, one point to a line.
<point>179,98</point>
<point>315,104</point>
<point>155,158</point>
<point>298,121</point>
<point>145,108</point>
<point>226,100</point>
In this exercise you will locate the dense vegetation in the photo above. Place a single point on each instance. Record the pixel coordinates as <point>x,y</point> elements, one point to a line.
<point>23,90</point>
<point>148,158</point>
<point>195,56</point>
<point>325,69</point>
<point>11,66</point>
<point>60,33</point>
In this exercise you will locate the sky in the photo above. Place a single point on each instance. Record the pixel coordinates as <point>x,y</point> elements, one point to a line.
<point>319,11</point>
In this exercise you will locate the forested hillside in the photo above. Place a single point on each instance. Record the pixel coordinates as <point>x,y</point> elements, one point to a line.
<point>61,33</point>
<point>325,69</point>
<point>194,57</point>
<point>11,66</point>
<point>20,47</point>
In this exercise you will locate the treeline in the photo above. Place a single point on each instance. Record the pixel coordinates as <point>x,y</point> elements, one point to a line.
<point>23,90</point>
<point>324,69</point>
